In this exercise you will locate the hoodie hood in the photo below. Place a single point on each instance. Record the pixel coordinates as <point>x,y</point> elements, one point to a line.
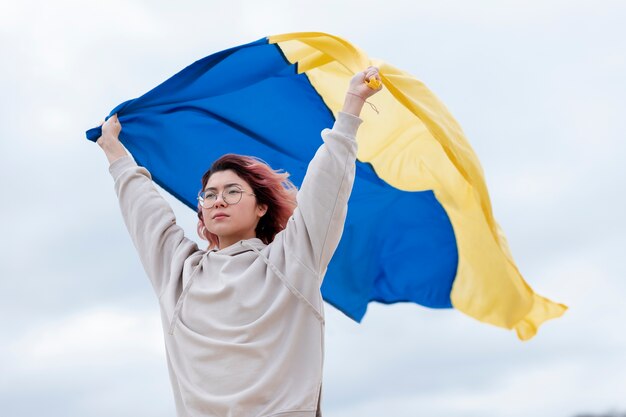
<point>254,244</point>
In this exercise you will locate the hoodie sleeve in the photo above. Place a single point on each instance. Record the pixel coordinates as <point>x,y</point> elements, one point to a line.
<point>150,221</point>
<point>313,232</point>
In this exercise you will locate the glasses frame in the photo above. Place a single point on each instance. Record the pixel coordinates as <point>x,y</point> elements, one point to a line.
<point>241,192</point>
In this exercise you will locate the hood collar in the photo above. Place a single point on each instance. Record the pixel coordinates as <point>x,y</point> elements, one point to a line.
<point>254,244</point>
<point>241,246</point>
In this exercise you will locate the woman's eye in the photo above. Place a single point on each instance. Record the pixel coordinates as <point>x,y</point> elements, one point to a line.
<point>209,196</point>
<point>233,192</point>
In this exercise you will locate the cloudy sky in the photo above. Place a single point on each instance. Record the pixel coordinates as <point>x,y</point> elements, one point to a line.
<point>538,87</point>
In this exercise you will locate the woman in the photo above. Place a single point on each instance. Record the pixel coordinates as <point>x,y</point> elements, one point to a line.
<point>244,319</point>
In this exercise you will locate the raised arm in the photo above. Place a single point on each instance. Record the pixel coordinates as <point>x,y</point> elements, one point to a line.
<point>314,231</point>
<point>148,217</point>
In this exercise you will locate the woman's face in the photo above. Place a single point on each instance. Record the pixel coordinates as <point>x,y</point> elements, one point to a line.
<point>231,222</point>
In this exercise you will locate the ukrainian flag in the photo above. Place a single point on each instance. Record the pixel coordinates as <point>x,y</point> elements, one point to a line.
<point>420,227</point>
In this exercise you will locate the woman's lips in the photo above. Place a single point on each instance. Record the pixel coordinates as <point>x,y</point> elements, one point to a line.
<point>219,216</point>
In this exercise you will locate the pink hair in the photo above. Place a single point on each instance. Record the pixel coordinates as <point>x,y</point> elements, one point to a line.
<point>270,187</point>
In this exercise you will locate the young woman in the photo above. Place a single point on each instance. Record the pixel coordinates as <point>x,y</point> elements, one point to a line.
<point>244,320</point>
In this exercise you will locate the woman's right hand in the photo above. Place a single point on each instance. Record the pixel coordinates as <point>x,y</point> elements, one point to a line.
<point>109,141</point>
<point>110,132</point>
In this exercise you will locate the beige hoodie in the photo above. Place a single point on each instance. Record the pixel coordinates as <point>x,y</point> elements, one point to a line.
<point>244,325</point>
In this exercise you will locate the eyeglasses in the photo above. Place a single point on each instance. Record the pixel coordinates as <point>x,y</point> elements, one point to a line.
<point>230,196</point>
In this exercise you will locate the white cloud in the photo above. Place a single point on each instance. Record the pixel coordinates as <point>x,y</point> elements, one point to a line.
<point>75,341</point>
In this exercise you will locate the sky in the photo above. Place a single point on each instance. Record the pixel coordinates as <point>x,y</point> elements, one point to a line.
<point>538,88</point>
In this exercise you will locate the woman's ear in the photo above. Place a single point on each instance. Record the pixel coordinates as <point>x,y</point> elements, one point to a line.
<point>261,209</point>
<point>202,230</point>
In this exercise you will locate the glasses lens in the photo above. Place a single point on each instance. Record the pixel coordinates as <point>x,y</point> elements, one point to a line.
<point>207,198</point>
<point>232,196</point>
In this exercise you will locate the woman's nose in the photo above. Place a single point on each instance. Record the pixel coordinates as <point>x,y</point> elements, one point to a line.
<point>219,200</point>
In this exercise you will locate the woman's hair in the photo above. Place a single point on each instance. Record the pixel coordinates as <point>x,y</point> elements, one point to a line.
<point>271,187</point>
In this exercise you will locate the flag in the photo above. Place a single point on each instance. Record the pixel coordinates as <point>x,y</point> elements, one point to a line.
<point>420,226</point>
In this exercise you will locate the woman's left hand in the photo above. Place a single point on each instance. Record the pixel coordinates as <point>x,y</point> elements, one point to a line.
<point>358,83</point>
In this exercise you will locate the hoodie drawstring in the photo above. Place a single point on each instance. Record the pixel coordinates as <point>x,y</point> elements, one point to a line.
<point>183,295</point>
